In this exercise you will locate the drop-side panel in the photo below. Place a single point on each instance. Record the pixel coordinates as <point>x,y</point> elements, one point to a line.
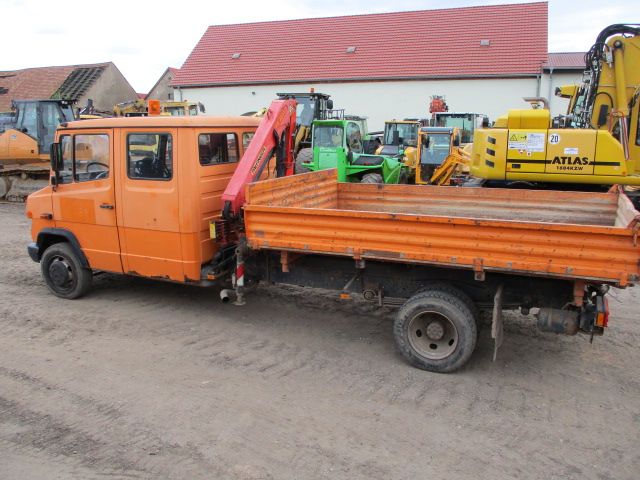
<point>490,240</point>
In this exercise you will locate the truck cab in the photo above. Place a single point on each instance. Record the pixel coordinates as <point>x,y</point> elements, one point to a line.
<point>134,195</point>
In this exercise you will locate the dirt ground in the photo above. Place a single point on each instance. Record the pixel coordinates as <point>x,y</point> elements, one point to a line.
<point>154,380</point>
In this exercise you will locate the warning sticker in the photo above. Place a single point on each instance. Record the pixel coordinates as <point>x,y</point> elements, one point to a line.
<point>571,151</point>
<point>527,142</point>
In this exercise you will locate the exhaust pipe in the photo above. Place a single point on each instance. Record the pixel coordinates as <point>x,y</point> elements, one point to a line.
<point>226,295</point>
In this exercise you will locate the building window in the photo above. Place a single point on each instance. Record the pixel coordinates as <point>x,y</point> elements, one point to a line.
<point>217,148</point>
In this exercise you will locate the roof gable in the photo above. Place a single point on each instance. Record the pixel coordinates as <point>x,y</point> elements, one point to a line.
<point>403,45</point>
<point>47,82</point>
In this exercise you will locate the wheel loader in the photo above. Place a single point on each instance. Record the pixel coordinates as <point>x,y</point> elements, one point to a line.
<point>26,133</point>
<point>595,145</point>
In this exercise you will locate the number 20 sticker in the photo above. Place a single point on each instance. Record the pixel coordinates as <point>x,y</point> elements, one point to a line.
<point>554,138</point>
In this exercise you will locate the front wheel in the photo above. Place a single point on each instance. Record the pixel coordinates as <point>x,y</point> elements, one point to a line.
<point>305,156</point>
<point>372,178</point>
<point>436,331</point>
<point>63,273</point>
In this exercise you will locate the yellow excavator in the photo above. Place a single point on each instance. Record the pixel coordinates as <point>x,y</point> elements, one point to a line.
<point>26,133</point>
<point>140,107</point>
<point>595,145</point>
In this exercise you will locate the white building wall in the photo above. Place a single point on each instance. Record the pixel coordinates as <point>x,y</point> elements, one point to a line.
<point>552,80</point>
<point>379,101</point>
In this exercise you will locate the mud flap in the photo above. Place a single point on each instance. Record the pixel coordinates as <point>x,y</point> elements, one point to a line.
<point>496,322</point>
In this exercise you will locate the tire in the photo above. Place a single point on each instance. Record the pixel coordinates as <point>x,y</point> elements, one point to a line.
<point>436,330</point>
<point>403,178</point>
<point>456,292</point>
<point>63,273</point>
<point>372,178</point>
<point>304,156</point>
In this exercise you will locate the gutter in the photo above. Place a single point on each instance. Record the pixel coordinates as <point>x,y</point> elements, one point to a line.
<point>354,79</point>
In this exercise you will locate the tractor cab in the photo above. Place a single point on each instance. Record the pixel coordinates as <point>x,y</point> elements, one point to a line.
<point>467,123</point>
<point>398,135</point>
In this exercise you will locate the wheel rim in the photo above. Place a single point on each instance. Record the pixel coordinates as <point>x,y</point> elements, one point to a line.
<point>61,274</point>
<point>433,335</point>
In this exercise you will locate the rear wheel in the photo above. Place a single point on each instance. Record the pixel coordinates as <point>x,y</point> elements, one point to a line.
<point>63,273</point>
<point>304,156</point>
<point>372,178</point>
<point>436,331</point>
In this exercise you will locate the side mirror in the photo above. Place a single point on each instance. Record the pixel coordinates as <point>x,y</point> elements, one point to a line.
<point>56,157</point>
<point>329,104</point>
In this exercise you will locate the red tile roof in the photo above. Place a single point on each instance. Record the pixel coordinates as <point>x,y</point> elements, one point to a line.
<point>566,61</point>
<point>31,83</point>
<point>403,45</point>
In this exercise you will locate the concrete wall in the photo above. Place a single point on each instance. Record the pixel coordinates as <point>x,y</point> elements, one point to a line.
<point>110,88</point>
<point>162,91</point>
<point>379,101</point>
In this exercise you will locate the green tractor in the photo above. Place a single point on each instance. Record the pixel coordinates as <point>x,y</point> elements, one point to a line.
<point>341,144</point>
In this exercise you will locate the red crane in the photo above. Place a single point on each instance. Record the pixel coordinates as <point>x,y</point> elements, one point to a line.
<point>273,136</point>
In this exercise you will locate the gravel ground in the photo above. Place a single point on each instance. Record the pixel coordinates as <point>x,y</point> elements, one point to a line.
<point>153,380</point>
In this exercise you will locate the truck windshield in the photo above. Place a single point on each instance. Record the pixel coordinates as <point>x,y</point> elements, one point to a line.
<point>407,134</point>
<point>327,136</point>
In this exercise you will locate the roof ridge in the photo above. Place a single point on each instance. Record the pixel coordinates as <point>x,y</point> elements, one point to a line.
<point>470,7</point>
<point>80,65</point>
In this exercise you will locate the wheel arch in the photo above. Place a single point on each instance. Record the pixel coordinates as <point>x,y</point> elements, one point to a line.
<point>51,236</point>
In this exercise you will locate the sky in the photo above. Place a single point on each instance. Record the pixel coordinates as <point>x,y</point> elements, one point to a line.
<point>144,37</point>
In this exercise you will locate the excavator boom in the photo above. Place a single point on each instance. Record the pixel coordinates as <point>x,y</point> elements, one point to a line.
<point>273,136</point>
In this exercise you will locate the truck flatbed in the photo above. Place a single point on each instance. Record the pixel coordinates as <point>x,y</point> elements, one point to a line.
<point>569,235</point>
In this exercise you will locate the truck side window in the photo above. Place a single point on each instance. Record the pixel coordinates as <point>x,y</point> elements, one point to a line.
<point>91,154</point>
<point>66,174</point>
<point>150,156</point>
<point>246,140</point>
<point>217,148</point>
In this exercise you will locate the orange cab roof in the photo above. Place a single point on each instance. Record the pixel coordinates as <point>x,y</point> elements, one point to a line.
<point>165,121</point>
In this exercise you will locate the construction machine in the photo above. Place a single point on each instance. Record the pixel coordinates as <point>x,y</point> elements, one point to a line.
<point>140,107</point>
<point>310,106</point>
<point>440,156</point>
<point>467,123</point>
<point>595,145</point>
<point>345,145</point>
<point>26,134</point>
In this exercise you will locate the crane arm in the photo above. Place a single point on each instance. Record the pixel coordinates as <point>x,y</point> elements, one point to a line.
<point>273,136</point>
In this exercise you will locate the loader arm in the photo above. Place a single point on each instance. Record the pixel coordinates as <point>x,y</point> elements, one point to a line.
<point>273,136</point>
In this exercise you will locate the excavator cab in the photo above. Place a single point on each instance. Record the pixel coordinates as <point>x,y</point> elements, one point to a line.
<point>39,120</point>
<point>27,133</point>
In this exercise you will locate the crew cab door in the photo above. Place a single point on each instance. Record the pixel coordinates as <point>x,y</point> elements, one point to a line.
<point>148,205</point>
<point>84,201</point>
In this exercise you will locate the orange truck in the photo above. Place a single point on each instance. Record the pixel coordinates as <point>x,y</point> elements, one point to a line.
<point>177,199</point>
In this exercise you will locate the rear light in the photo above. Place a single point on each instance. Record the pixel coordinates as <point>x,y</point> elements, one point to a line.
<point>602,312</point>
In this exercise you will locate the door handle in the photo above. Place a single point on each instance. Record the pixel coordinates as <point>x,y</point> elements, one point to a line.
<point>106,206</point>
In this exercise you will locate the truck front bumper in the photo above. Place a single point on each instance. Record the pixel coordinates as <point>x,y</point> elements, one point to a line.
<point>34,252</point>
